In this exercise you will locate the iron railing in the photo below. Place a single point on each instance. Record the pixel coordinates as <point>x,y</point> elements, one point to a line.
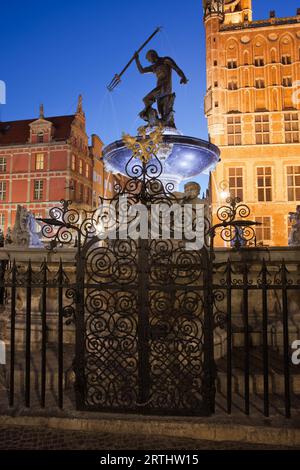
<point>156,327</point>
<point>252,300</point>
<point>22,285</point>
<point>253,303</point>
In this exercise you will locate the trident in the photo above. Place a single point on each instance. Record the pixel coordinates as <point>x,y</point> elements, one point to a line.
<point>117,78</point>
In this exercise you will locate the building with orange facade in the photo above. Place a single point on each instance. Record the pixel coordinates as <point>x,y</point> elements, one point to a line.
<point>252,105</point>
<point>48,159</point>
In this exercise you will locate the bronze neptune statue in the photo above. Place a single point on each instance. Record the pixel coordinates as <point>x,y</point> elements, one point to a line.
<point>162,94</point>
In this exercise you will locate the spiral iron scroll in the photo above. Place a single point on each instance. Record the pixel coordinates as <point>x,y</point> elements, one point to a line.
<point>231,228</point>
<point>144,308</point>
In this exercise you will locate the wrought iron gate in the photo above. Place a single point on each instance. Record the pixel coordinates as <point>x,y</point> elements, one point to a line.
<point>142,332</point>
<point>142,307</point>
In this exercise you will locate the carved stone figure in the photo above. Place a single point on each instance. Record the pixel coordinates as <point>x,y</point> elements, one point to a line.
<point>191,192</point>
<point>8,238</point>
<point>20,233</point>
<point>294,238</point>
<point>162,94</point>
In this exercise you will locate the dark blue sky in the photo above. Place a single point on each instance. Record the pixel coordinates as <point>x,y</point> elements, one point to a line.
<point>55,49</point>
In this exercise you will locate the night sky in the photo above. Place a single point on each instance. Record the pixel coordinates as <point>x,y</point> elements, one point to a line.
<point>53,50</point>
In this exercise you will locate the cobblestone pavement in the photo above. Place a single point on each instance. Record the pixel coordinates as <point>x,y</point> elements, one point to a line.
<point>37,438</point>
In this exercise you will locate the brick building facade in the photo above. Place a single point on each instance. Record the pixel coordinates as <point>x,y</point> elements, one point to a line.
<point>48,159</point>
<point>253,109</point>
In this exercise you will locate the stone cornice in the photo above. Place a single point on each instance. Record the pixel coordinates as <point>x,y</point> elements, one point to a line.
<point>261,23</point>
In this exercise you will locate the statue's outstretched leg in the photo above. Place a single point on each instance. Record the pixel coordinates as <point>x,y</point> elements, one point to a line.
<point>152,97</point>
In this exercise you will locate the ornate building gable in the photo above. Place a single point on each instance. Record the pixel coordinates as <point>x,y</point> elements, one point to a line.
<point>237,11</point>
<point>78,135</point>
<point>41,130</point>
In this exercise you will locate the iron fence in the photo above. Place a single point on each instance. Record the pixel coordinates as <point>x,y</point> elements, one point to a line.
<point>254,307</point>
<point>256,303</point>
<point>25,328</point>
<point>145,325</point>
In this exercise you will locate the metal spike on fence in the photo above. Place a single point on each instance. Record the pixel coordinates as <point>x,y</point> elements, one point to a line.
<point>28,335</point>
<point>264,283</point>
<point>44,334</point>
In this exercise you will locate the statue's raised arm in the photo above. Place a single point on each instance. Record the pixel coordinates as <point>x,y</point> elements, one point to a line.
<point>142,69</point>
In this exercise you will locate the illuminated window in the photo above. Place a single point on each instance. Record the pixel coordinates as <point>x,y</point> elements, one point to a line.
<point>293,183</point>
<point>87,170</point>
<point>286,60</point>
<point>73,163</point>
<point>80,166</point>
<point>260,83</point>
<point>262,129</point>
<point>263,231</point>
<point>81,192</point>
<point>39,161</point>
<point>2,164</point>
<point>232,85</point>
<point>87,195</point>
<point>74,188</point>
<point>236,182</point>
<point>259,62</point>
<point>2,221</point>
<point>287,82</point>
<point>234,130</point>
<point>38,189</point>
<point>291,128</point>
<point>264,184</point>
<point>2,190</point>
<point>94,199</point>
<point>232,64</point>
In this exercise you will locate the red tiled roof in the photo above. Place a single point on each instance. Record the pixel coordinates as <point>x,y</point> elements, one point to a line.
<point>18,132</point>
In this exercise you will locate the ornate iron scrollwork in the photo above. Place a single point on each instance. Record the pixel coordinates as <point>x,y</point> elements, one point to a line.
<point>234,228</point>
<point>142,316</point>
